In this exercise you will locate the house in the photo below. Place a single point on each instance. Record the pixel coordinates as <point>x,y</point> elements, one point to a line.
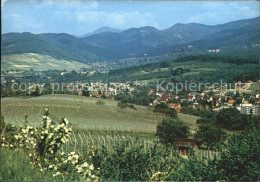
<point>194,93</point>
<point>218,99</point>
<point>155,102</point>
<point>231,102</point>
<point>203,94</point>
<point>172,96</point>
<point>209,99</point>
<point>96,95</point>
<point>183,145</point>
<point>191,98</point>
<point>195,104</point>
<point>160,94</point>
<point>218,93</point>
<point>257,100</point>
<point>229,94</point>
<point>217,103</point>
<point>175,106</point>
<point>150,92</point>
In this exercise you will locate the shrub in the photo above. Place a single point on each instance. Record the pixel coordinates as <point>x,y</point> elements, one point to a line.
<point>132,163</point>
<point>15,166</point>
<point>124,105</point>
<point>43,144</point>
<point>204,121</point>
<point>163,108</point>
<point>170,129</point>
<point>100,103</point>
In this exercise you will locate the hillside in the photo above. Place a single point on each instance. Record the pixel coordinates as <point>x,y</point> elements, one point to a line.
<point>37,62</point>
<point>135,42</point>
<point>200,68</point>
<point>84,113</point>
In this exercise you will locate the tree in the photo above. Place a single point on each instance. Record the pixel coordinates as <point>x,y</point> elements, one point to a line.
<point>37,91</point>
<point>86,92</point>
<point>232,119</point>
<point>163,108</point>
<point>204,121</point>
<point>170,129</point>
<point>240,161</point>
<point>209,135</point>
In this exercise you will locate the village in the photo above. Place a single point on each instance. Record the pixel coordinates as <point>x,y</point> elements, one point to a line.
<point>213,99</point>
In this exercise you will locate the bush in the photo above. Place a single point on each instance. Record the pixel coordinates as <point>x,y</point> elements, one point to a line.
<point>43,144</point>
<point>170,129</point>
<point>163,108</point>
<point>133,163</point>
<point>124,105</point>
<point>15,166</point>
<point>100,103</point>
<point>204,121</point>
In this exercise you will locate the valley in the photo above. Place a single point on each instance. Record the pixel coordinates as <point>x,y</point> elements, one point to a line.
<point>140,103</point>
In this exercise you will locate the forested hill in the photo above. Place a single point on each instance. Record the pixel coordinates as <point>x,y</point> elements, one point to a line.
<point>136,42</point>
<point>193,68</point>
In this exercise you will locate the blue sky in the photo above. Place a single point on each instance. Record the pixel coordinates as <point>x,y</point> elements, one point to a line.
<point>79,17</point>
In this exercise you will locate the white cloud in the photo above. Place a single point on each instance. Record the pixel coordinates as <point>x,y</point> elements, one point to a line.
<point>116,19</point>
<point>220,12</point>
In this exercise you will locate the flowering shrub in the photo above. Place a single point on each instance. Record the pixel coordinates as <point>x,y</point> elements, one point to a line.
<point>43,148</point>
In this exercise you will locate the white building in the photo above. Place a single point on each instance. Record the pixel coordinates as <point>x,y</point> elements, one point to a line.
<point>248,109</point>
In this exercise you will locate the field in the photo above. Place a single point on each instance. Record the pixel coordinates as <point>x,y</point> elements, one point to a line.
<point>84,113</point>
<point>93,125</point>
<point>37,62</point>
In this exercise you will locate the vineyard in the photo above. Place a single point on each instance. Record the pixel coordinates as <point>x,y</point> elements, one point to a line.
<point>84,145</point>
<point>83,113</point>
<point>93,125</point>
<point>84,141</point>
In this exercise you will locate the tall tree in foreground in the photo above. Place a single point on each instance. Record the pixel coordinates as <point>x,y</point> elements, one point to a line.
<point>170,129</point>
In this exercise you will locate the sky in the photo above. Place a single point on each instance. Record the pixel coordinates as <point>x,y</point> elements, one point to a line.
<point>78,17</point>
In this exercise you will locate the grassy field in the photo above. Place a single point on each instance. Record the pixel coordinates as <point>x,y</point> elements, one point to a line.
<point>37,62</point>
<point>83,113</point>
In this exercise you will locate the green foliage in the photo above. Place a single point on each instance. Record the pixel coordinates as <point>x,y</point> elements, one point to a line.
<point>170,129</point>
<point>36,92</point>
<point>240,161</point>
<point>124,105</point>
<point>201,113</point>
<point>100,103</point>
<point>15,166</point>
<point>194,169</point>
<point>210,135</point>
<point>85,92</point>
<point>42,146</point>
<point>132,163</point>
<point>232,119</point>
<point>204,121</point>
<point>163,108</point>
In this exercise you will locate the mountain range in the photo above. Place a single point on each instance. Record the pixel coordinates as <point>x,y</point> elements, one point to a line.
<point>101,30</point>
<point>106,44</point>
